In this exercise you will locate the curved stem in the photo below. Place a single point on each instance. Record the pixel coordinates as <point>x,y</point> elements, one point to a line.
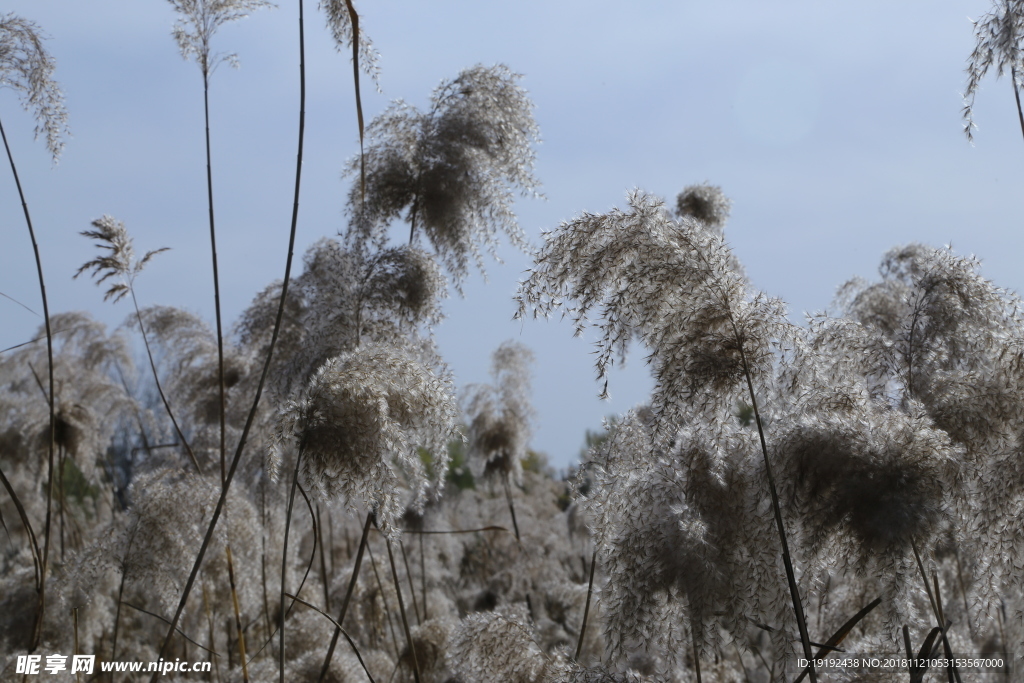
<point>33,543</point>
<point>401,609</point>
<point>1016,95</point>
<point>586,609</point>
<point>156,379</point>
<point>284,565</point>
<point>348,595</point>
<point>38,627</point>
<point>794,590</point>
<point>216,277</point>
<point>270,352</point>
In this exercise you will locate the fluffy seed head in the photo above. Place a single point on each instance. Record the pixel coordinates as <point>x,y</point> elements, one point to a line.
<point>704,202</point>
<point>360,426</point>
<point>452,168</point>
<point>26,67</point>
<point>999,38</point>
<point>198,20</point>
<point>120,262</point>
<point>673,285</point>
<point>500,414</point>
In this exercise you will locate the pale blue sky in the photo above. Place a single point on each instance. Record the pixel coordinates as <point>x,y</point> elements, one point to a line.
<point>834,127</point>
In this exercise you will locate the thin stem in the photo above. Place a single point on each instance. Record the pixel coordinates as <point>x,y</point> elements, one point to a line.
<point>586,608</point>
<point>696,652</point>
<point>338,626</point>
<point>37,629</point>
<point>423,579</point>
<point>348,596</point>
<point>216,279</point>
<point>511,507</point>
<point>270,352</point>
<point>284,565</point>
<point>238,615</point>
<point>1016,95</point>
<point>794,590</point>
<point>120,596</point>
<point>936,604</point>
<point>209,623</point>
<point>323,561</point>
<point>387,610</point>
<point>963,591</point>
<point>156,379</point>
<point>354,18</point>
<point>33,543</point>
<point>401,609</point>
<point>412,586</point>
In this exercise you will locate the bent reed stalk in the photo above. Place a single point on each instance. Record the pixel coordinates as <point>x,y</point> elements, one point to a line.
<point>38,627</point>
<point>270,352</point>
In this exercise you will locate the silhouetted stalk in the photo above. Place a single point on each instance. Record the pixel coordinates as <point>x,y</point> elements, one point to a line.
<point>323,561</point>
<point>354,18</point>
<point>936,609</point>
<point>511,507</point>
<point>343,632</point>
<point>263,556</point>
<point>37,629</point>
<point>284,564</point>
<point>120,596</point>
<point>423,579</point>
<point>209,622</point>
<point>696,652</point>
<point>156,379</point>
<point>1016,95</point>
<point>60,490</point>
<point>412,587</point>
<point>238,616</point>
<point>387,610</point>
<point>963,591</point>
<point>586,607</point>
<point>401,609</point>
<point>216,277</point>
<point>33,543</point>
<point>270,352</point>
<point>794,590</point>
<point>348,596</point>
<point>831,645</point>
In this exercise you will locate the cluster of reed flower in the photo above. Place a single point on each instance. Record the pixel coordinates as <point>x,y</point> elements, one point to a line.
<point>295,499</point>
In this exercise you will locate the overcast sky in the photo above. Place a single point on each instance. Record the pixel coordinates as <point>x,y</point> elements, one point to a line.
<point>834,128</point>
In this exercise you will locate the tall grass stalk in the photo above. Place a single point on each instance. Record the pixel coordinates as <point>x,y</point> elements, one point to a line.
<point>41,586</point>
<point>387,608</point>
<point>787,560</point>
<point>337,626</point>
<point>37,562</point>
<point>586,607</point>
<point>412,586</point>
<point>270,352</point>
<point>284,566</point>
<point>401,609</point>
<point>238,615</point>
<point>348,596</point>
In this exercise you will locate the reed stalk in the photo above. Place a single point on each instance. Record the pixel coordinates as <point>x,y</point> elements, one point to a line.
<point>348,596</point>
<point>37,630</point>
<point>401,609</point>
<point>239,449</point>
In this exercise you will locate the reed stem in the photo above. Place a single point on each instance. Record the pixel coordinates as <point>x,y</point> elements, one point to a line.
<point>270,351</point>
<point>37,629</point>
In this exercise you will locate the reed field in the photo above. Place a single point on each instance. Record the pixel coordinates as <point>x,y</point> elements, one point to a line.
<point>305,493</point>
